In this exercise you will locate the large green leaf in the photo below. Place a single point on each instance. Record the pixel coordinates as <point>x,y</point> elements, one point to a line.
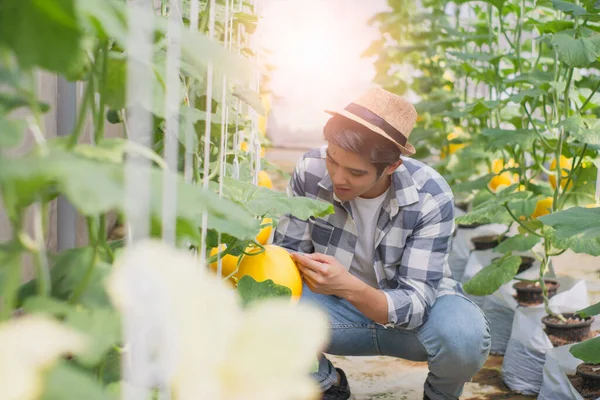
<point>261,201</point>
<point>569,8</point>
<point>574,221</point>
<point>252,291</point>
<point>585,130</point>
<point>527,94</point>
<point>476,184</point>
<point>104,18</point>
<point>553,26</point>
<point>42,33</point>
<point>490,278</point>
<point>518,243</point>
<point>493,210</point>
<point>116,86</point>
<point>103,329</point>
<point>588,351</point>
<point>589,311</point>
<point>65,381</point>
<point>69,269</point>
<point>9,102</point>
<point>577,244</point>
<point>482,107</point>
<point>577,52</point>
<point>500,138</point>
<point>100,325</point>
<point>95,187</point>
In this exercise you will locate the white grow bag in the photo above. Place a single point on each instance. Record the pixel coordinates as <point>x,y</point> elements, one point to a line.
<point>462,246</point>
<point>523,365</point>
<point>500,306</point>
<point>559,364</point>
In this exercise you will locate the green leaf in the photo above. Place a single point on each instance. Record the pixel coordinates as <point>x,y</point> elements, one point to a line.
<point>100,325</point>
<point>476,184</point>
<point>95,187</point>
<point>104,19</point>
<point>577,52</point>
<point>500,138</point>
<point>585,130</point>
<point>489,279</point>
<point>252,291</point>
<point>261,201</point>
<point>103,330</point>
<point>47,305</point>
<point>116,86</point>
<point>569,8</point>
<point>482,107</point>
<point>10,102</point>
<point>11,132</point>
<point>589,311</point>
<point>492,210</point>
<point>67,382</point>
<point>574,221</point>
<point>519,243</point>
<point>68,270</point>
<point>250,97</point>
<point>526,94</point>
<point>536,78</point>
<point>553,26</point>
<point>577,244</point>
<point>199,52</point>
<point>55,42</point>
<point>588,351</point>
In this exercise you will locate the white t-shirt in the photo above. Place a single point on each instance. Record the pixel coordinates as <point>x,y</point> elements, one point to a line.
<point>366,214</point>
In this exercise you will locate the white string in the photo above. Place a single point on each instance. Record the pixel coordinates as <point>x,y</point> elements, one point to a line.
<point>206,161</point>
<point>223,142</point>
<point>238,109</point>
<point>254,142</point>
<point>171,137</point>
<point>189,129</point>
<point>136,364</point>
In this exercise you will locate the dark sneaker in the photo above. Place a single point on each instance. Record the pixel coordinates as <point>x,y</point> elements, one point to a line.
<point>338,392</point>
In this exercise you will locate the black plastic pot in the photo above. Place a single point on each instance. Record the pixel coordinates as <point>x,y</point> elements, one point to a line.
<point>574,332</point>
<point>591,378</point>
<point>529,293</point>
<point>526,263</point>
<point>485,242</point>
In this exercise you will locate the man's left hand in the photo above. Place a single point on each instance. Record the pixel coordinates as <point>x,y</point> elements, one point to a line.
<point>322,273</point>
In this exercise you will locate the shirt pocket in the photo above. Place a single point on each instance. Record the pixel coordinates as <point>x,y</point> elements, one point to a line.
<point>320,234</point>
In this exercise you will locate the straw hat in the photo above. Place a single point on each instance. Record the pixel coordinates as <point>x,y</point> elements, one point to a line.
<point>384,113</point>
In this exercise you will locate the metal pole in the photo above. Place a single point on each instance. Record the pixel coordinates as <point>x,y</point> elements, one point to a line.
<point>66,114</point>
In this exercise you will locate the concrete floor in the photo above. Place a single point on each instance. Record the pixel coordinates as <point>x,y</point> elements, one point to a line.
<point>396,379</point>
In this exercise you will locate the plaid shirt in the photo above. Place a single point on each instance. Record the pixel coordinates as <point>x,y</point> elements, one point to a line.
<point>412,238</point>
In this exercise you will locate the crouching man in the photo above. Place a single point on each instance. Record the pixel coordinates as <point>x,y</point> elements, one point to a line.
<point>378,266</point>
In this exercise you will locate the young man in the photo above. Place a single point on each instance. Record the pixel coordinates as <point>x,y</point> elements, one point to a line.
<point>378,266</point>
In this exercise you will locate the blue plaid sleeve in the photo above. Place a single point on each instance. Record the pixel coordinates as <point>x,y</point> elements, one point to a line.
<point>292,233</point>
<point>422,263</point>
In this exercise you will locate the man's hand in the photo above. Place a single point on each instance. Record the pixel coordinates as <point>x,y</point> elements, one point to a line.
<point>322,273</point>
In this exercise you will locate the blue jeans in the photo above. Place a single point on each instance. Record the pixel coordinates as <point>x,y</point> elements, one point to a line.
<point>455,340</point>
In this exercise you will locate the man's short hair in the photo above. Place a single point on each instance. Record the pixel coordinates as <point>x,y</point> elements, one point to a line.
<point>356,138</point>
